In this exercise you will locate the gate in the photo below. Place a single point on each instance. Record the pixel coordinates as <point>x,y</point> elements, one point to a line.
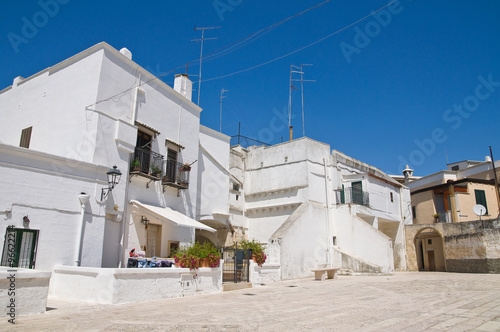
<point>236,265</point>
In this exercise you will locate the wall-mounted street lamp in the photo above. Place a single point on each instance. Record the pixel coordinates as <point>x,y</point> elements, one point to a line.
<point>26,221</point>
<point>114,176</point>
<point>144,220</point>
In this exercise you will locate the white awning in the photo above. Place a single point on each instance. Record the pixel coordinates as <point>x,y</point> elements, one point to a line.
<point>169,215</point>
<point>376,213</point>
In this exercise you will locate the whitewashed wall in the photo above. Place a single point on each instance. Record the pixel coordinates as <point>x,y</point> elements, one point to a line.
<point>47,192</point>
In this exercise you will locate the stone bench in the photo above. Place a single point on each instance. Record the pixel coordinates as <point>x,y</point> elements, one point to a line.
<point>324,273</point>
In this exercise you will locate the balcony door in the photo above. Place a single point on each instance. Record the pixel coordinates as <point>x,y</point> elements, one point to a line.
<point>143,150</point>
<point>357,192</point>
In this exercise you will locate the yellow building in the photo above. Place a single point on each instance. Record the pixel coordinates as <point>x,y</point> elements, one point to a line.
<point>449,196</point>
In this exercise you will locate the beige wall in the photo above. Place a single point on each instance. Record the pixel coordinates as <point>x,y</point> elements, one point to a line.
<point>466,202</point>
<point>424,206</point>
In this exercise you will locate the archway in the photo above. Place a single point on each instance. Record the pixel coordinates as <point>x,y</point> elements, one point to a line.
<point>429,250</point>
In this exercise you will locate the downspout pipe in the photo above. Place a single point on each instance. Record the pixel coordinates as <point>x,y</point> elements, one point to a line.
<point>327,213</point>
<point>84,199</point>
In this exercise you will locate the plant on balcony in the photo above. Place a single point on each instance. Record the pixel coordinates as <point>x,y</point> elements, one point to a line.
<point>135,165</point>
<point>185,167</point>
<point>155,171</point>
<point>257,248</point>
<point>436,217</point>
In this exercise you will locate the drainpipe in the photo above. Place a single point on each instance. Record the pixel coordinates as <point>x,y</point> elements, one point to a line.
<point>84,198</point>
<point>327,214</point>
<point>453,203</point>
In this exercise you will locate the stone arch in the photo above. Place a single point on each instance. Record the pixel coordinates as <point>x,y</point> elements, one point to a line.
<point>429,249</point>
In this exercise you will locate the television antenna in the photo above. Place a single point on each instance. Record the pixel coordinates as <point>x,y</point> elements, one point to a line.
<point>221,97</point>
<point>201,52</point>
<point>297,70</point>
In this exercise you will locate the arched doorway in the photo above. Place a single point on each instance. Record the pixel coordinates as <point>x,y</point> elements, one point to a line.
<point>202,239</point>
<point>429,249</point>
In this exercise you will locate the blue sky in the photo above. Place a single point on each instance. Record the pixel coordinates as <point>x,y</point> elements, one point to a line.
<point>416,83</point>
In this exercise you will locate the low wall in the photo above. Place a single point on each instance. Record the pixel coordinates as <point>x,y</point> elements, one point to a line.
<point>472,246</point>
<point>112,286</point>
<point>23,291</point>
<point>266,273</point>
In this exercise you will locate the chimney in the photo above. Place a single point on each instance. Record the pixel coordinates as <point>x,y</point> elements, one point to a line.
<point>126,52</point>
<point>408,173</point>
<point>183,85</point>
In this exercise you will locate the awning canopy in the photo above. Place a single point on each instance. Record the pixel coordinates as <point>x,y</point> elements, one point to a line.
<point>376,213</point>
<point>169,215</point>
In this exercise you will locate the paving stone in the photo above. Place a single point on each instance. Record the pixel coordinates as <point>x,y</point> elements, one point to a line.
<point>407,301</point>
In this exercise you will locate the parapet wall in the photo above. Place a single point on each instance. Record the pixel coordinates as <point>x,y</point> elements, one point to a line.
<point>472,246</point>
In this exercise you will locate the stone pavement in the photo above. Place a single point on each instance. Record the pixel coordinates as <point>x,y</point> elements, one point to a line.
<point>405,301</point>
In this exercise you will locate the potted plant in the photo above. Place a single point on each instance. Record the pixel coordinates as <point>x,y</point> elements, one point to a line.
<point>185,167</point>
<point>135,165</point>
<point>436,217</point>
<point>197,255</point>
<point>257,249</point>
<point>155,171</point>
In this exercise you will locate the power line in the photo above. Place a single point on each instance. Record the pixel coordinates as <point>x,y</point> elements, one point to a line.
<point>216,52</point>
<point>303,47</point>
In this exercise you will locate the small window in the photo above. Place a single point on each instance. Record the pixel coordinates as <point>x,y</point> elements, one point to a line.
<point>392,197</point>
<point>286,159</point>
<point>236,187</point>
<point>25,138</point>
<point>334,240</point>
<point>429,241</point>
<point>455,168</point>
<point>414,212</point>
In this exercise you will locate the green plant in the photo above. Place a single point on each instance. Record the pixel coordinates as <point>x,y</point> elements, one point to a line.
<point>155,170</point>
<point>136,163</point>
<point>257,250</point>
<point>189,256</point>
<point>436,215</point>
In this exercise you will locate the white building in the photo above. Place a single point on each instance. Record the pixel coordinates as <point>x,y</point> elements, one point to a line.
<point>315,207</point>
<point>66,126</point>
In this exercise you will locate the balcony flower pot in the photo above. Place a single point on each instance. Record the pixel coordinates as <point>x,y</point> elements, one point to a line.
<point>135,165</point>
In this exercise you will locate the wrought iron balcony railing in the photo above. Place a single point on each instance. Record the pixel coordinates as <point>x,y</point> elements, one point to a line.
<point>350,196</point>
<point>176,174</point>
<point>147,162</point>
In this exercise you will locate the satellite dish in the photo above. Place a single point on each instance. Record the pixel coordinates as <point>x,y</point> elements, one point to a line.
<point>479,210</point>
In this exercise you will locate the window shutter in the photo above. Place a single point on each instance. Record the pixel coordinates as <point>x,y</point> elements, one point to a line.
<point>481,198</point>
<point>25,138</point>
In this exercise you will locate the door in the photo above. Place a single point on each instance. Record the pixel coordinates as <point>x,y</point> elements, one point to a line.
<point>20,248</point>
<point>432,260</point>
<point>143,150</point>
<point>153,243</point>
<point>357,192</point>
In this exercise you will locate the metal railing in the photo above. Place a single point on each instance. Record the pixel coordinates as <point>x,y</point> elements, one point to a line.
<point>176,174</point>
<point>147,162</point>
<point>350,196</point>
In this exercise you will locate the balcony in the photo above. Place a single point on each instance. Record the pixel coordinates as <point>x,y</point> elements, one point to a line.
<point>147,163</point>
<point>176,174</point>
<point>350,196</point>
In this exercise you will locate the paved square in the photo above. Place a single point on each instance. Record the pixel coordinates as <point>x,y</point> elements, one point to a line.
<point>406,301</point>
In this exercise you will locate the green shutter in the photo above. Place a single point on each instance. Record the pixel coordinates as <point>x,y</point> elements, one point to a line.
<point>481,198</point>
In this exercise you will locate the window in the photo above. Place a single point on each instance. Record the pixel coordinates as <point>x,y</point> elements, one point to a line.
<point>429,241</point>
<point>19,248</point>
<point>392,197</point>
<point>414,212</point>
<point>171,165</point>
<point>142,154</point>
<point>25,138</point>
<point>236,187</point>
<point>481,198</point>
<point>455,168</point>
<point>357,192</point>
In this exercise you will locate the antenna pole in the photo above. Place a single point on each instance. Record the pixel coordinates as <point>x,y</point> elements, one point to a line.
<point>290,104</point>
<point>302,93</point>
<point>201,54</point>
<point>221,97</point>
